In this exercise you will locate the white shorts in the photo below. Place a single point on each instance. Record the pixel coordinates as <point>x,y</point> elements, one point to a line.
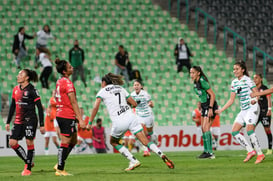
<point>249,116</point>
<point>129,137</point>
<point>85,140</point>
<point>50,134</point>
<point>123,123</point>
<point>215,131</point>
<point>147,121</point>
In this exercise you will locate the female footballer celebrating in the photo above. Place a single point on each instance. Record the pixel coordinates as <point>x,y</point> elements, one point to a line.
<point>67,113</point>
<point>208,105</point>
<point>242,85</point>
<point>144,111</point>
<point>24,99</point>
<point>115,98</point>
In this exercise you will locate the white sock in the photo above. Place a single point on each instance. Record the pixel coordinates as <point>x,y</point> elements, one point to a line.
<point>155,149</point>
<point>255,143</point>
<point>241,139</point>
<point>154,139</point>
<point>125,152</point>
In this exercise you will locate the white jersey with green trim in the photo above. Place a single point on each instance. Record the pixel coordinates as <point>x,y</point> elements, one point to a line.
<point>115,98</point>
<point>142,98</point>
<point>243,88</point>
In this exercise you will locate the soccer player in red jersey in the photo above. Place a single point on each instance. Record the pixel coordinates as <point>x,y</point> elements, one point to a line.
<point>68,113</point>
<point>24,99</point>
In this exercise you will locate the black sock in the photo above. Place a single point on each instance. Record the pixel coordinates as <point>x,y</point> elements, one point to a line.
<point>20,152</point>
<point>269,138</point>
<point>62,155</point>
<point>71,146</point>
<point>30,155</point>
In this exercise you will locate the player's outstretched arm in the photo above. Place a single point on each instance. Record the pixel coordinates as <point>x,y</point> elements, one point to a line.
<point>228,104</point>
<point>131,101</point>
<point>265,92</point>
<point>94,112</point>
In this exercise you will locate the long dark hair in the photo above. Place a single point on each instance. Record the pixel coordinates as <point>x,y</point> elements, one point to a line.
<point>242,64</point>
<point>32,75</point>
<point>199,69</point>
<point>60,65</point>
<point>111,78</point>
<point>48,32</point>
<point>20,29</point>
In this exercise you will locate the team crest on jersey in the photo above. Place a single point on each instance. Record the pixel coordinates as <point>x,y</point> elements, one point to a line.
<point>16,92</point>
<point>26,93</point>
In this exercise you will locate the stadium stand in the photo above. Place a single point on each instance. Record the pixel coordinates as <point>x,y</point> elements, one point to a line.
<point>147,32</point>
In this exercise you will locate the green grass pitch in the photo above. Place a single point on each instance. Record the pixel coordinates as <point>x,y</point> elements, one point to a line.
<point>228,165</point>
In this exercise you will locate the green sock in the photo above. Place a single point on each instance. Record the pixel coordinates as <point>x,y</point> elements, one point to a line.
<point>209,138</point>
<point>205,142</point>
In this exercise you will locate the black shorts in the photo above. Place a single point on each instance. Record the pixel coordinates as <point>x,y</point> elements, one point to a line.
<point>27,129</point>
<point>264,119</point>
<point>205,109</point>
<point>67,126</point>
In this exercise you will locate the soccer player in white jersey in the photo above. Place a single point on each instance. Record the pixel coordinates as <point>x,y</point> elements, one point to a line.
<point>144,111</point>
<point>250,110</point>
<point>115,98</point>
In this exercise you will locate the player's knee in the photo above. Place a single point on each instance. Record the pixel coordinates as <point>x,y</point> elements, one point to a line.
<point>13,142</point>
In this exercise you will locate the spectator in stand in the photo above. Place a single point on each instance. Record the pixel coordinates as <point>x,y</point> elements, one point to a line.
<point>84,136</point>
<point>42,38</point>
<point>99,137</point>
<point>121,60</point>
<point>182,54</point>
<point>44,59</point>
<point>76,58</point>
<point>50,129</point>
<point>19,48</point>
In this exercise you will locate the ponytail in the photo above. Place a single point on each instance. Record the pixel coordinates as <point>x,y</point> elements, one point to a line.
<point>32,75</point>
<point>111,78</point>
<point>199,69</point>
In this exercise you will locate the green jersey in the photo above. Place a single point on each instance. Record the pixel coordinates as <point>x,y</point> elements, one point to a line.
<point>200,88</point>
<point>76,57</point>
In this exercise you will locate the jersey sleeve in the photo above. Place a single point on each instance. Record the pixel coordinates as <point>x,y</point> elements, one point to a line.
<point>148,97</point>
<point>127,95</point>
<point>204,84</point>
<point>116,56</point>
<point>250,83</point>
<point>193,114</point>
<point>69,87</point>
<point>36,95</point>
<point>232,87</point>
<point>100,94</point>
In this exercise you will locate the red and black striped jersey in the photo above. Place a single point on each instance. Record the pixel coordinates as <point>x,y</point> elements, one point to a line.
<point>25,102</point>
